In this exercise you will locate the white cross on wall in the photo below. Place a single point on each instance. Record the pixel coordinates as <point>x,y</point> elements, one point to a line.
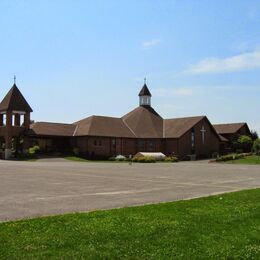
<point>203,131</point>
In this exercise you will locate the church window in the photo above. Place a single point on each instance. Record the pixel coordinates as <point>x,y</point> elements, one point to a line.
<point>13,120</point>
<point>113,142</point>
<point>151,145</point>
<point>95,142</point>
<point>192,138</point>
<point>22,120</point>
<point>4,119</point>
<point>141,145</point>
<point>100,142</point>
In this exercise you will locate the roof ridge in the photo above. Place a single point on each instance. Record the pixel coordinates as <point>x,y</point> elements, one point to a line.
<point>14,100</point>
<point>85,118</point>
<point>128,127</point>
<point>145,91</point>
<point>239,123</point>
<point>75,130</point>
<point>151,117</point>
<point>53,123</point>
<point>91,118</point>
<point>129,113</point>
<point>107,116</point>
<point>186,117</point>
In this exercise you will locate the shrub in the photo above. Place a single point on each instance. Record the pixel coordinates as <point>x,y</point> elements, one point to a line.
<point>26,156</point>
<point>144,159</point>
<point>238,151</point>
<point>171,159</point>
<point>243,143</point>
<point>75,151</point>
<point>112,159</point>
<point>34,150</point>
<point>254,135</point>
<point>256,146</point>
<point>135,159</point>
<point>120,159</point>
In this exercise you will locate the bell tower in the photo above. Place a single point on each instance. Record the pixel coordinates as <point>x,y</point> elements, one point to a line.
<point>14,118</point>
<point>145,96</point>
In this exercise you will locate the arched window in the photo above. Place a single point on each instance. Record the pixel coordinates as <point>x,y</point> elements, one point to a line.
<point>192,139</point>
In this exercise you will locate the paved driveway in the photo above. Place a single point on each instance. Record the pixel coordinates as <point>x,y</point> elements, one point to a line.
<point>29,189</point>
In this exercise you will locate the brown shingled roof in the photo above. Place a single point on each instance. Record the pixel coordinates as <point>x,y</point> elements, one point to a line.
<point>52,129</point>
<point>176,127</point>
<point>14,100</point>
<point>145,122</point>
<point>145,91</point>
<point>102,126</point>
<point>228,128</point>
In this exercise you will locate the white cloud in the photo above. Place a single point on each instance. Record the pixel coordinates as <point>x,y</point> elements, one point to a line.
<point>184,92</point>
<point>244,61</point>
<point>151,43</point>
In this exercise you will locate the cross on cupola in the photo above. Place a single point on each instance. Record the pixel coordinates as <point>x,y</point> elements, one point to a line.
<point>203,132</point>
<point>145,95</point>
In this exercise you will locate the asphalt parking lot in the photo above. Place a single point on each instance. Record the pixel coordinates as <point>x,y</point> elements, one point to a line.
<point>30,189</point>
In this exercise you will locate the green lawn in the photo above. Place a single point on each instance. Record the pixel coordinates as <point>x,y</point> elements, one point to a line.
<point>253,159</point>
<point>219,227</point>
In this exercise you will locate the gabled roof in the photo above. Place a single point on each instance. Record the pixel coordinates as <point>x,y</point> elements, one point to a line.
<point>102,126</point>
<point>145,91</point>
<point>14,100</point>
<point>52,129</point>
<point>231,128</point>
<point>176,127</point>
<point>144,122</point>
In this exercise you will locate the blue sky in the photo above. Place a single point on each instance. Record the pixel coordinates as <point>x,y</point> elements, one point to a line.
<point>73,59</point>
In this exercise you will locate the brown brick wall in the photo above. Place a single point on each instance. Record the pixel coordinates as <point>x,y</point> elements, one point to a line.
<point>94,146</point>
<point>171,147</point>
<point>129,146</point>
<point>102,146</point>
<point>210,146</point>
<point>9,131</point>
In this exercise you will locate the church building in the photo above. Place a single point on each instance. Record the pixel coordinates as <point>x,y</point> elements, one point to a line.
<point>100,137</point>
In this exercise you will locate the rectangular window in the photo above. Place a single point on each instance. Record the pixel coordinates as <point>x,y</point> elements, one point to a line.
<point>151,145</point>
<point>4,119</point>
<point>192,138</point>
<point>13,120</point>
<point>140,145</point>
<point>22,120</point>
<point>113,142</point>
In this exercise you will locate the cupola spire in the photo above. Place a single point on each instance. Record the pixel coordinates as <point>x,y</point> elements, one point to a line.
<point>145,95</point>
